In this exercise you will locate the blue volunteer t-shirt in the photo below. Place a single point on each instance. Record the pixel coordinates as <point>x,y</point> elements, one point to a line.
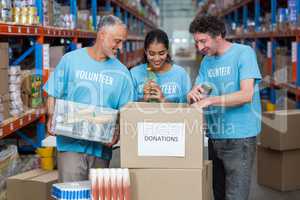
<point>224,74</point>
<point>175,83</point>
<point>81,79</point>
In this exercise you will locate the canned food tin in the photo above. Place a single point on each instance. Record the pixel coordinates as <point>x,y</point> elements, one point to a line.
<point>5,4</point>
<point>4,14</point>
<point>24,19</point>
<point>30,2</point>
<point>32,10</point>
<point>19,3</point>
<point>30,19</point>
<point>17,19</point>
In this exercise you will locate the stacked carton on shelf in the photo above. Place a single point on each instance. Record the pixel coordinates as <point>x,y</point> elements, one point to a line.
<point>4,90</point>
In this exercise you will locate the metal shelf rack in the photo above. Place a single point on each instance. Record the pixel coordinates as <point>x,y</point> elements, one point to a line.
<point>129,57</point>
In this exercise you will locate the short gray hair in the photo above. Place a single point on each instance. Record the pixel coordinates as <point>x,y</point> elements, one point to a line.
<point>109,20</point>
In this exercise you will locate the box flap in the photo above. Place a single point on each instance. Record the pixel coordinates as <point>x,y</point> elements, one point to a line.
<point>155,107</point>
<point>50,176</point>
<point>29,175</point>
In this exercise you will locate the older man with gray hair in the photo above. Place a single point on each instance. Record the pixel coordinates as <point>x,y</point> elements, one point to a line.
<point>76,157</point>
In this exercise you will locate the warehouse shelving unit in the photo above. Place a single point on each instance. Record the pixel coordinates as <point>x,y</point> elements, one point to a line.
<point>239,14</point>
<point>130,56</point>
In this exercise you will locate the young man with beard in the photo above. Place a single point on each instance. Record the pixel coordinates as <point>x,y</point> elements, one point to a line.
<point>233,111</point>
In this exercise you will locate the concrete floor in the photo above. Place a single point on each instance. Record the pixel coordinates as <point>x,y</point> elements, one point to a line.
<point>257,192</point>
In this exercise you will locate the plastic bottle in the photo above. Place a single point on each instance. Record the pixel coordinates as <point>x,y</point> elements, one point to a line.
<point>151,77</point>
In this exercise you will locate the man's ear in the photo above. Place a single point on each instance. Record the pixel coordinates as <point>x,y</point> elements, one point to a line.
<point>101,34</point>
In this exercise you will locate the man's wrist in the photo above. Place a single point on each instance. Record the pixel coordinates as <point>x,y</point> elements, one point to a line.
<point>215,100</point>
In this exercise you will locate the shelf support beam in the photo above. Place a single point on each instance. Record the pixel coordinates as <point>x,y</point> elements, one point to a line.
<point>94,14</point>
<point>28,140</point>
<point>298,64</point>
<point>273,13</point>
<point>257,15</point>
<point>298,12</point>
<point>39,6</point>
<point>107,6</point>
<point>245,18</point>
<point>73,9</point>
<point>273,56</point>
<point>126,17</point>
<point>236,17</point>
<point>118,11</point>
<point>24,55</point>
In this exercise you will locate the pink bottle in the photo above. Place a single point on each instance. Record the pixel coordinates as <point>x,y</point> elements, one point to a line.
<point>120,184</point>
<point>126,184</point>
<point>94,183</point>
<point>113,181</point>
<point>107,184</point>
<point>100,179</point>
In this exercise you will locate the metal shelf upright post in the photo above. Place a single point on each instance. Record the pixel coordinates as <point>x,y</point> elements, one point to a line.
<point>94,13</point>
<point>74,11</point>
<point>298,55</point>
<point>245,18</point>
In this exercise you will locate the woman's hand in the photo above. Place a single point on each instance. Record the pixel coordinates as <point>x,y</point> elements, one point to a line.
<point>153,92</point>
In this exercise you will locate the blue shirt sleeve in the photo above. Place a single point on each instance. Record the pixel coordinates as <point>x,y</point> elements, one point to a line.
<point>127,92</point>
<point>186,87</point>
<point>248,67</point>
<point>56,85</point>
<point>135,86</point>
<point>201,75</point>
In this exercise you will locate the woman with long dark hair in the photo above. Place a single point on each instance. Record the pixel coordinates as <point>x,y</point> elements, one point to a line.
<point>158,79</point>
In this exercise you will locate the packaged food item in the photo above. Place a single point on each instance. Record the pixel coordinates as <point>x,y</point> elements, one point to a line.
<point>72,191</point>
<point>83,121</point>
<point>151,77</point>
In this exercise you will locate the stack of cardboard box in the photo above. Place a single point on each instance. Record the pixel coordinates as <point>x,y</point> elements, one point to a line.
<point>56,53</point>
<point>162,145</point>
<point>4,94</point>
<point>278,155</point>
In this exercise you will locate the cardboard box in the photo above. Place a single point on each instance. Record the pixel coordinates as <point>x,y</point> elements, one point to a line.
<point>278,169</point>
<point>207,177</point>
<point>33,185</point>
<point>56,53</point>
<point>279,130</point>
<point>161,136</point>
<point>3,82</point>
<point>172,184</point>
<point>3,55</point>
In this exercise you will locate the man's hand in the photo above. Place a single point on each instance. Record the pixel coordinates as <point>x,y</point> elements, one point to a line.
<point>49,126</point>
<point>195,95</point>
<point>116,138</point>
<point>50,111</point>
<point>152,91</point>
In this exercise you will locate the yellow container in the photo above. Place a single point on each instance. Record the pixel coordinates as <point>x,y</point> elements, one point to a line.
<point>45,151</point>
<point>271,107</point>
<point>47,157</point>
<point>47,163</point>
